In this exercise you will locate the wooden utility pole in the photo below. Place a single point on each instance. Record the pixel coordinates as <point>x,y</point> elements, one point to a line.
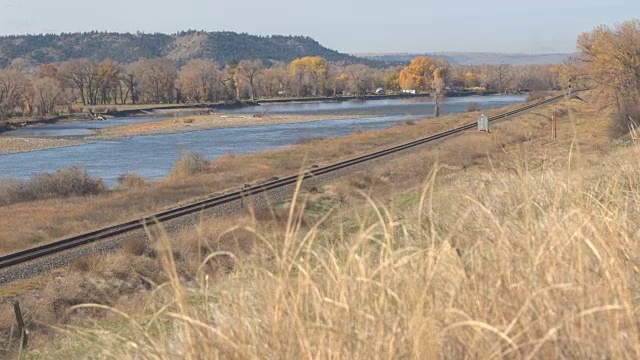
<point>24,334</point>
<point>554,120</point>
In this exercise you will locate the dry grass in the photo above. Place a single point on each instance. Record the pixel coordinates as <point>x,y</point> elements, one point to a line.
<point>533,257</point>
<point>520,246</point>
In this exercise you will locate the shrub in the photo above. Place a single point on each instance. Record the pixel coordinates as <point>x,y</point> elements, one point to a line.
<point>130,180</point>
<point>65,182</point>
<point>135,247</point>
<point>627,118</point>
<point>9,191</point>
<point>562,112</point>
<point>191,163</point>
<point>80,265</point>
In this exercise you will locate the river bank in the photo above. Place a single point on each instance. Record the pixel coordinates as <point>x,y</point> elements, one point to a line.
<point>17,123</point>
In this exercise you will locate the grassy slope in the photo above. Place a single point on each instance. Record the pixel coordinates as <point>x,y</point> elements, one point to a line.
<point>530,251</point>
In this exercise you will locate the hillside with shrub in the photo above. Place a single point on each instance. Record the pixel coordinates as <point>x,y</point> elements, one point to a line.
<point>221,47</point>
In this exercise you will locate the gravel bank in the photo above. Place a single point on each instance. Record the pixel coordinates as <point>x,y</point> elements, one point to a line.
<point>206,122</point>
<point>9,145</point>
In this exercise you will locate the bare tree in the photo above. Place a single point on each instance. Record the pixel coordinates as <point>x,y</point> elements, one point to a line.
<point>78,74</point>
<point>47,94</point>
<point>198,80</point>
<point>228,81</point>
<point>105,82</point>
<point>359,78</point>
<point>503,77</point>
<point>13,88</point>
<point>130,78</point>
<point>438,86</point>
<point>275,81</point>
<point>250,69</point>
<point>157,79</point>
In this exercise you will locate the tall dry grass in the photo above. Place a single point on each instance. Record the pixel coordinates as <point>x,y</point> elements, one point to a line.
<point>524,263</point>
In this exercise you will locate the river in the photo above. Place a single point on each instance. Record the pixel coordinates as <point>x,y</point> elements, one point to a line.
<point>153,156</point>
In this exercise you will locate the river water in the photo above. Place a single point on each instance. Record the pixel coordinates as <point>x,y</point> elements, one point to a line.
<point>153,156</point>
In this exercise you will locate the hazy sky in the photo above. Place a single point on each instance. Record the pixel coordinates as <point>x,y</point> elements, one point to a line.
<point>531,26</point>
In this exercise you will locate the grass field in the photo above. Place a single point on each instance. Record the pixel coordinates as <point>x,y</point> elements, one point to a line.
<point>502,245</point>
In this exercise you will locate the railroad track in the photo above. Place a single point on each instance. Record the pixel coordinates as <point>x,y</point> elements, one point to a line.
<point>24,256</point>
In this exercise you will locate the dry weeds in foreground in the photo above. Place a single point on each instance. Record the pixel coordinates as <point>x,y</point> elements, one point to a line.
<point>512,264</point>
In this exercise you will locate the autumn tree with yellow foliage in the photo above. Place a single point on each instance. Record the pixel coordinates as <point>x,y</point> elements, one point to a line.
<point>310,73</point>
<point>426,74</point>
<point>419,75</point>
<point>611,61</point>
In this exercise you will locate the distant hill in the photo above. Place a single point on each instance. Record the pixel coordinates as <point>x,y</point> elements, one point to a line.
<point>469,58</point>
<point>221,47</point>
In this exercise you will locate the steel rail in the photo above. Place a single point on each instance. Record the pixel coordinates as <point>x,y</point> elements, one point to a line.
<point>197,206</point>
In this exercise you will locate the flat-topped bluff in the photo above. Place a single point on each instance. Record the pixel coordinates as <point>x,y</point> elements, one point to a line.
<point>222,47</point>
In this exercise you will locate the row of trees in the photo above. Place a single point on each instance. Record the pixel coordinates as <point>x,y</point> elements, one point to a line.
<point>609,60</point>
<point>159,81</point>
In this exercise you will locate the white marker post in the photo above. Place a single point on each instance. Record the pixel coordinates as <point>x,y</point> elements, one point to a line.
<point>483,123</point>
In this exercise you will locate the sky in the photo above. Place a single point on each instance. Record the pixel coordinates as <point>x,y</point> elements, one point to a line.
<point>352,26</point>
